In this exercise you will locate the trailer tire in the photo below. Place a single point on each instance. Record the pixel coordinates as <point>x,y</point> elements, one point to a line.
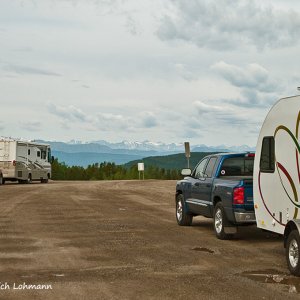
<point>220,221</point>
<point>292,252</point>
<point>183,218</point>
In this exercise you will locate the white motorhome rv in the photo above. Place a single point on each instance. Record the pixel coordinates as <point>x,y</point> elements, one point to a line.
<point>25,161</point>
<point>276,180</point>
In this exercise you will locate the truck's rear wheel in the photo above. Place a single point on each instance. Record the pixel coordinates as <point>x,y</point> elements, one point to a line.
<point>220,221</point>
<point>182,217</point>
<point>292,252</point>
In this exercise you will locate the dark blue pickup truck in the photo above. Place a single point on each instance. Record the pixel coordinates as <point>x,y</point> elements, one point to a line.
<point>220,187</point>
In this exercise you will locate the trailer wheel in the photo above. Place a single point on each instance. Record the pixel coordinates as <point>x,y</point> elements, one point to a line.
<point>182,217</point>
<point>220,221</point>
<point>292,252</point>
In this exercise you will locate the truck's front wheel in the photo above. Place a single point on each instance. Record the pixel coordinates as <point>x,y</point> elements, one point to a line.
<point>220,221</point>
<point>292,252</point>
<point>182,217</point>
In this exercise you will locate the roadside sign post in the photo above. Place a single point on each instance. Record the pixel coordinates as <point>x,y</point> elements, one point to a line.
<point>141,168</point>
<point>187,153</point>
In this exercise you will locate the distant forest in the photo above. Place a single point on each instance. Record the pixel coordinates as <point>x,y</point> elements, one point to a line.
<point>157,167</point>
<point>109,171</point>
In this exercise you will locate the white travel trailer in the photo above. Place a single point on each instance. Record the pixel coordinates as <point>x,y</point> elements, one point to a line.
<point>25,161</point>
<point>276,180</point>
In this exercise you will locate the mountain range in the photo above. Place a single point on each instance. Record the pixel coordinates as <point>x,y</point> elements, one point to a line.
<point>85,153</point>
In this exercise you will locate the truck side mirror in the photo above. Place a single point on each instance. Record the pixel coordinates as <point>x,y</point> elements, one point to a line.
<point>186,172</point>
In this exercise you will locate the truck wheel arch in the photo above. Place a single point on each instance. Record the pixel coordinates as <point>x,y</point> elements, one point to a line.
<point>177,193</point>
<point>216,200</point>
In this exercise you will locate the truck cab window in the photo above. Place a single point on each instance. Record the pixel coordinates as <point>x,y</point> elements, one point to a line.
<point>210,166</point>
<point>237,166</point>
<point>199,171</point>
<point>267,156</point>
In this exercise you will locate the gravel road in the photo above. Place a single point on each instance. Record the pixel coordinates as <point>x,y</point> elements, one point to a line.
<point>120,240</point>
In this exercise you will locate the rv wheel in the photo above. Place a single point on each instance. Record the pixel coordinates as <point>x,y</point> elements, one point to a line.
<point>29,179</point>
<point>292,252</point>
<point>182,217</point>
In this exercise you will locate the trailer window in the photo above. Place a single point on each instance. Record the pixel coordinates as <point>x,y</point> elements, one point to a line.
<point>267,156</point>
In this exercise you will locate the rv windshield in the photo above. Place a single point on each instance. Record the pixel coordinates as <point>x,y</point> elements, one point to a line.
<point>237,166</point>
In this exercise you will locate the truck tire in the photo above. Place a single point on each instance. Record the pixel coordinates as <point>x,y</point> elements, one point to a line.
<point>292,252</point>
<point>220,221</point>
<point>182,217</point>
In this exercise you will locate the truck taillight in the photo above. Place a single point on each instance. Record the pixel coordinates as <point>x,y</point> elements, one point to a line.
<point>238,195</point>
<point>250,155</point>
<point>14,163</point>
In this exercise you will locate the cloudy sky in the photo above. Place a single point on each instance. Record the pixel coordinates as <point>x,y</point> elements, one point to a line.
<point>202,71</point>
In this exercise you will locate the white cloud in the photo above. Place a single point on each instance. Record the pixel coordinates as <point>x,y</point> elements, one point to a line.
<point>21,70</point>
<point>148,119</point>
<point>228,24</point>
<point>31,125</point>
<point>256,85</point>
<point>70,113</point>
<point>221,114</point>
<point>204,108</point>
<point>113,78</point>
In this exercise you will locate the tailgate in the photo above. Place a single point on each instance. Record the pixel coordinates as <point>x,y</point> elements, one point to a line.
<point>248,184</point>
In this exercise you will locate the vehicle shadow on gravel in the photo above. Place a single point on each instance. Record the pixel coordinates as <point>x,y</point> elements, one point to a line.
<point>244,233</point>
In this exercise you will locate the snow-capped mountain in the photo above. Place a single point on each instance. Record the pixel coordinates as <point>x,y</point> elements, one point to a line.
<point>143,146</point>
<point>172,147</point>
<point>84,153</point>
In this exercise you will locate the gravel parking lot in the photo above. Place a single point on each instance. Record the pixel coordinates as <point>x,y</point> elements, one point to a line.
<point>120,240</point>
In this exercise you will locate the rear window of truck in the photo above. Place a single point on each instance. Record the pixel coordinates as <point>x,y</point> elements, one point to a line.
<point>237,166</point>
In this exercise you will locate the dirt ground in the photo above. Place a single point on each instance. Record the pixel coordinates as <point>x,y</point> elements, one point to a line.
<point>120,240</point>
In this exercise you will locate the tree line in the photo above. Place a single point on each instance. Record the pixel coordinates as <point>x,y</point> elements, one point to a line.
<point>109,171</point>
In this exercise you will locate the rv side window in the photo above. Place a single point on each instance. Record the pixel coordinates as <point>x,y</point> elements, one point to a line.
<point>267,156</point>
<point>43,154</point>
<point>38,154</point>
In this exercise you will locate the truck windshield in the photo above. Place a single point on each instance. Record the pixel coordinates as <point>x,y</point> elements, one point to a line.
<point>237,166</point>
